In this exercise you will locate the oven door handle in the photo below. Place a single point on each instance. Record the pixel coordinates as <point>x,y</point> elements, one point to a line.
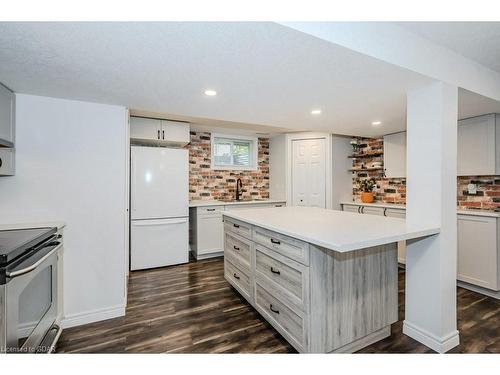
<point>30,268</point>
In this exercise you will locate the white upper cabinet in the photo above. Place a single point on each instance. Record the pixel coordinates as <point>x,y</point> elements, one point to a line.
<point>395,155</point>
<point>6,117</point>
<point>174,131</point>
<point>159,131</point>
<point>145,128</point>
<point>478,146</point>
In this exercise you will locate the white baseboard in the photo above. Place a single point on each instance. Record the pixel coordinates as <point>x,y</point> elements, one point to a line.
<point>438,344</point>
<point>210,255</point>
<point>93,316</point>
<point>478,289</point>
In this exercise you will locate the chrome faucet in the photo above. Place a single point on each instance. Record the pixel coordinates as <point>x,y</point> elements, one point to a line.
<point>239,185</point>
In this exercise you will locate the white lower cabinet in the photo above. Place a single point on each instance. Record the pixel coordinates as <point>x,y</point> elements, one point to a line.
<point>381,211</point>
<point>206,228</point>
<point>478,258</point>
<point>351,208</point>
<point>206,231</point>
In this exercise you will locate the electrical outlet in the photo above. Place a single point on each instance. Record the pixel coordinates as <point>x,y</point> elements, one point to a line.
<point>472,188</point>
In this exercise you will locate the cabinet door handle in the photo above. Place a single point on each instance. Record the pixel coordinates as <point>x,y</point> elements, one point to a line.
<point>158,134</point>
<point>275,241</point>
<point>359,209</point>
<point>385,211</point>
<point>273,309</point>
<point>163,134</point>
<point>236,247</point>
<point>362,209</point>
<point>236,225</point>
<point>210,209</point>
<point>236,276</point>
<point>277,272</point>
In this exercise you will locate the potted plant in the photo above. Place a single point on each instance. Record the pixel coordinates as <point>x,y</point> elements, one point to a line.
<point>366,186</point>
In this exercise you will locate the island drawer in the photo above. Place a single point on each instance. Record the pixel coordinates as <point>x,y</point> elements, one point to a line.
<point>238,247</point>
<point>292,325</point>
<point>287,246</point>
<point>237,278</point>
<point>287,278</point>
<point>238,227</point>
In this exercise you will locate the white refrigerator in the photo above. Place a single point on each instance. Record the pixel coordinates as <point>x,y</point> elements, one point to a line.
<point>159,230</point>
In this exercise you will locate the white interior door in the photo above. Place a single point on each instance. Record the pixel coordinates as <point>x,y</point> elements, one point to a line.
<point>159,182</point>
<point>309,173</point>
<point>158,243</point>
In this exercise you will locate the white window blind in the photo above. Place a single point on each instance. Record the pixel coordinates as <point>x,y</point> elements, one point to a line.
<point>234,153</point>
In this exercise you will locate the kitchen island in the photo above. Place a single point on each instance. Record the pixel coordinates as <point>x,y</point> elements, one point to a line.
<point>325,279</point>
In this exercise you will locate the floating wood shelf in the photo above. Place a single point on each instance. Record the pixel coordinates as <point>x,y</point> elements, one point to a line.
<point>366,169</point>
<point>373,155</point>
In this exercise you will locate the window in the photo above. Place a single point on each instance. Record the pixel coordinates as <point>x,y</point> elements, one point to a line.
<point>234,152</point>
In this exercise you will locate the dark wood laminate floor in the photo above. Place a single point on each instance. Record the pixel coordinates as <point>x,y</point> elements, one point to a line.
<point>191,309</point>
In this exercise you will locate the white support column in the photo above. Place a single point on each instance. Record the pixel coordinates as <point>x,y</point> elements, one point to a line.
<point>431,316</point>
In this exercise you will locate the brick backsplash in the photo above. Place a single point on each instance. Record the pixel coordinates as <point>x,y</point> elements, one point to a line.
<point>388,190</point>
<point>208,184</point>
<point>393,190</point>
<point>487,196</point>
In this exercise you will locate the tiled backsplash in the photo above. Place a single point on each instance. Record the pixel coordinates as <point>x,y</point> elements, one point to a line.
<point>393,190</point>
<point>487,196</point>
<point>388,190</point>
<point>208,184</point>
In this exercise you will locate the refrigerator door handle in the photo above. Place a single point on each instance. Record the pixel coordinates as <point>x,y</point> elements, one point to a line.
<point>148,223</point>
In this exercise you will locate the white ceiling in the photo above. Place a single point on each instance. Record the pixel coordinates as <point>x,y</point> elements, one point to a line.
<point>268,77</point>
<point>479,41</point>
<point>265,73</point>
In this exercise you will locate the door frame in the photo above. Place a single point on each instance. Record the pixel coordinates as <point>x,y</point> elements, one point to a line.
<point>328,163</point>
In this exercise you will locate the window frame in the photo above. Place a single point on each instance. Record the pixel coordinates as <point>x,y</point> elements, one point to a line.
<point>253,157</point>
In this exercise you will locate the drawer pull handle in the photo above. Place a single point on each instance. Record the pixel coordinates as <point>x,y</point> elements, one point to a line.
<point>275,241</point>
<point>210,209</point>
<point>236,225</point>
<point>273,310</point>
<point>236,247</point>
<point>277,272</point>
<point>236,276</point>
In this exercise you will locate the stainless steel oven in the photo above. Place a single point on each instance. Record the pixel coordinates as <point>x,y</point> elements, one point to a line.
<point>29,290</point>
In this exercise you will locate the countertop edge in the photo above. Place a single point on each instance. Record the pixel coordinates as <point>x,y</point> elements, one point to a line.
<point>417,233</point>
<point>58,224</point>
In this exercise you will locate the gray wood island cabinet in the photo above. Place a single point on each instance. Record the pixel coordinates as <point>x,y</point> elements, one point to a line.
<point>323,286</point>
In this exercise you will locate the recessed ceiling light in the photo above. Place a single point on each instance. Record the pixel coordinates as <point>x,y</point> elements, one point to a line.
<point>375,123</point>
<point>210,92</point>
<point>316,112</point>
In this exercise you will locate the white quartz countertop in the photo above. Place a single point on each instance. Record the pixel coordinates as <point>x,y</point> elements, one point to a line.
<point>49,224</point>
<point>402,207</point>
<point>230,203</point>
<point>335,230</point>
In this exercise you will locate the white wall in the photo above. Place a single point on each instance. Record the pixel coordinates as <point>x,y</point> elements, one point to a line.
<point>342,178</point>
<point>71,167</point>
<point>277,166</point>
